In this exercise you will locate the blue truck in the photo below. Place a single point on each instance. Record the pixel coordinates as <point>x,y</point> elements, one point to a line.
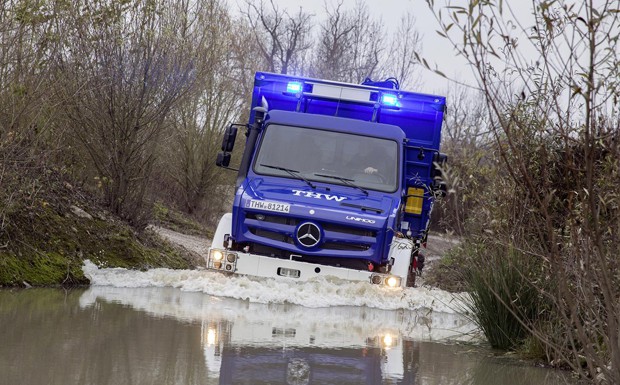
<point>336,179</point>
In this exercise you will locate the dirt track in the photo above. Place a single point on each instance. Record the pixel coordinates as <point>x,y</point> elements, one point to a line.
<point>197,245</point>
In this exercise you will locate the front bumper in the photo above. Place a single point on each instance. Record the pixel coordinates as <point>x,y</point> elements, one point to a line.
<point>256,265</point>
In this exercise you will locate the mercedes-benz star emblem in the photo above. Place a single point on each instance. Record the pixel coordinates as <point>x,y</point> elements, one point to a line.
<point>308,234</point>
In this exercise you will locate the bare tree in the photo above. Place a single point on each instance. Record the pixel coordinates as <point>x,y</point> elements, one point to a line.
<point>350,44</point>
<point>334,40</point>
<point>469,144</point>
<point>28,39</point>
<point>246,59</point>
<point>123,68</point>
<point>368,40</point>
<point>197,123</point>
<point>401,61</point>
<point>555,118</point>
<point>28,140</point>
<point>281,38</point>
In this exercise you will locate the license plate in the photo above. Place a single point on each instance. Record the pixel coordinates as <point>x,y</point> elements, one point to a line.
<point>291,273</point>
<point>288,332</point>
<point>269,206</point>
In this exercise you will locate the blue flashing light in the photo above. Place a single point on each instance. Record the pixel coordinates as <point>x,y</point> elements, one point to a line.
<point>293,87</point>
<point>389,100</point>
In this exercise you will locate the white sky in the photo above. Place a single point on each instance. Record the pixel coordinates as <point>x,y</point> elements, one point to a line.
<point>435,49</point>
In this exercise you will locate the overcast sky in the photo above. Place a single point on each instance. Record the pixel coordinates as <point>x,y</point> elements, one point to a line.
<point>434,48</point>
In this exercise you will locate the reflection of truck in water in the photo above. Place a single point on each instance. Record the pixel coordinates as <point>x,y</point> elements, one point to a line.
<point>301,366</point>
<point>336,179</point>
<point>232,335</point>
<point>262,353</point>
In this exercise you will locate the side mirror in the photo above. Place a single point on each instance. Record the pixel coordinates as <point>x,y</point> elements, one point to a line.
<point>228,142</point>
<point>439,188</point>
<point>439,161</point>
<point>223,159</point>
<point>438,185</point>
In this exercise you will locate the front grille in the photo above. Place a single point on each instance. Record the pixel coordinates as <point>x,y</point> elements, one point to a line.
<point>345,246</point>
<point>273,219</point>
<point>326,246</point>
<point>348,230</point>
<point>272,235</point>
<point>336,228</point>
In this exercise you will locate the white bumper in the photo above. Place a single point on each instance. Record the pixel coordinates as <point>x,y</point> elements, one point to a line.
<point>237,262</point>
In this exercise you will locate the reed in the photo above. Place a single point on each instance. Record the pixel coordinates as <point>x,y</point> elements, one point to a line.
<point>505,300</point>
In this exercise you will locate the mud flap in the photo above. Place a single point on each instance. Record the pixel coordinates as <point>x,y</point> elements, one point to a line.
<point>411,278</point>
<point>413,267</point>
<point>400,253</point>
<point>223,227</point>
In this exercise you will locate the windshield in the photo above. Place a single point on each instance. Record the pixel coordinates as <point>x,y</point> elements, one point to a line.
<point>331,157</point>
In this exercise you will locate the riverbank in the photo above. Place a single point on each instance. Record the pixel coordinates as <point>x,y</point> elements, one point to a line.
<point>49,227</point>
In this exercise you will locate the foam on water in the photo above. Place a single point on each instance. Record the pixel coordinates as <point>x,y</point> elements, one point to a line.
<point>316,293</point>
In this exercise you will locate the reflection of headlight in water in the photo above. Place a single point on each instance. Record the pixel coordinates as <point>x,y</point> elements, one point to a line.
<point>388,341</point>
<point>298,372</point>
<point>211,336</point>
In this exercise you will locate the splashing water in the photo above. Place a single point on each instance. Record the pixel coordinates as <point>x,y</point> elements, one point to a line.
<point>315,293</point>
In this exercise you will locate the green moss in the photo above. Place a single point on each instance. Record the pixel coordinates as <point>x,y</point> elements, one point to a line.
<point>40,269</point>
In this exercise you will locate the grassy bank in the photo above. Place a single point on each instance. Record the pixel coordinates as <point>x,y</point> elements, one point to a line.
<point>49,227</point>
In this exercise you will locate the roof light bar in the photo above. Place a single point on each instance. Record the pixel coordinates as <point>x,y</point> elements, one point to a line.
<point>341,92</point>
<point>293,87</point>
<point>389,100</point>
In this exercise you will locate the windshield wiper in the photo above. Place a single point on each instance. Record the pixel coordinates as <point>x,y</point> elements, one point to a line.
<point>363,208</point>
<point>294,173</point>
<point>344,180</point>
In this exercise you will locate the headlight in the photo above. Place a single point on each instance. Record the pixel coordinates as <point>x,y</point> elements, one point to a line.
<point>222,260</point>
<point>386,280</point>
<point>392,281</point>
<point>376,279</point>
<point>217,255</point>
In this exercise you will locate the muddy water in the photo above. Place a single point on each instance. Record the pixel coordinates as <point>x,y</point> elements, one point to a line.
<point>108,335</point>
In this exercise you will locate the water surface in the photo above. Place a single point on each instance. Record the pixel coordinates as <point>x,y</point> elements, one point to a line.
<point>163,335</point>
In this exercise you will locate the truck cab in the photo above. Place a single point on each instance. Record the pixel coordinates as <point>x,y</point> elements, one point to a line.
<point>336,179</point>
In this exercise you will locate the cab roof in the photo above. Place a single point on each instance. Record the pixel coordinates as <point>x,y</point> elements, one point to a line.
<point>331,123</point>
